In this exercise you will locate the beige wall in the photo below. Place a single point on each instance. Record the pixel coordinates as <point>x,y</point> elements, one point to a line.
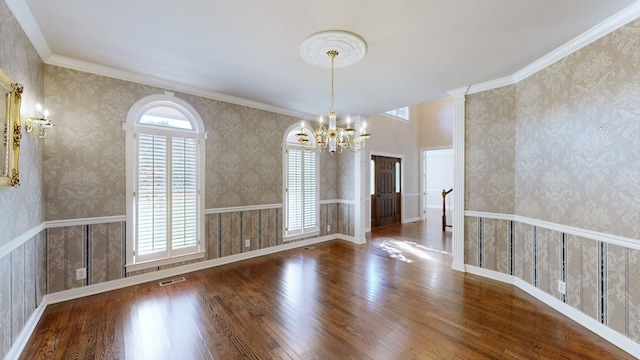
<point>563,147</point>
<point>400,138</point>
<point>435,123</point>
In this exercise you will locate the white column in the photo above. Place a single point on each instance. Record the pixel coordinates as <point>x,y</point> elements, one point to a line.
<point>459,96</point>
<point>360,176</point>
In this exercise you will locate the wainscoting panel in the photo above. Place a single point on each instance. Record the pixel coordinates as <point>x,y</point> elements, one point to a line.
<point>17,290</point>
<point>346,219</point>
<point>22,287</point>
<point>230,231</point>
<point>590,278</point>
<point>250,230</point>
<point>488,244</point>
<point>528,244</point>
<point>504,245</point>
<point>616,293</point>
<point>575,274</point>
<point>472,238</point>
<point>226,232</point>
<point>100,248</point>
<point>270,228</point>
<point>548,264</point>
<point>331,216</point>
<point>5,304</point>
<point>66,252</point>
<point>106,242</point>
<point>633,290</point>
<point>601,278</point>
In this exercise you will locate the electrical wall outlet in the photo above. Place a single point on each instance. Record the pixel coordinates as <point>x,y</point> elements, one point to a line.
<point>81,273</point>
<point>247,243</point>
<point>328,228</point>
<point>562,287</point>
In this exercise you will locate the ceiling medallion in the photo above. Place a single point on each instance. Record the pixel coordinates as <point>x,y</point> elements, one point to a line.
<point>350,46</point>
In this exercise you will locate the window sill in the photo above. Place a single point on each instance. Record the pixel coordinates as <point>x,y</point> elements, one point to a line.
<point>301,236</point>
<point>165,261</point>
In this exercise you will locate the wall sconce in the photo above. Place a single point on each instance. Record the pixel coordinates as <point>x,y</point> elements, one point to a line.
<point>39,124</point>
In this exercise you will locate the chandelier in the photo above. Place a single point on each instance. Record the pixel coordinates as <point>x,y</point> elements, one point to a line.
<point>333,138</point>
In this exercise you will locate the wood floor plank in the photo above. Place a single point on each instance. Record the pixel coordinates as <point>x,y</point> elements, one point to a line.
<point>392,298</point>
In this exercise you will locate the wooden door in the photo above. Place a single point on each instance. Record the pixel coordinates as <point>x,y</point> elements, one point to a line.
<point>385,200</point>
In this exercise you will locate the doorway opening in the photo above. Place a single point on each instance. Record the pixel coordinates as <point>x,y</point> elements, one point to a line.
<point>437,178</point>
<point>386,191</point>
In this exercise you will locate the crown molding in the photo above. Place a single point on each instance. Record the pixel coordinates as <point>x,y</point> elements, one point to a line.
<point>493,84</point>
<point>459,93</point>
<point>23,14</point>
<point>101,70</point>
<point>607,26</point>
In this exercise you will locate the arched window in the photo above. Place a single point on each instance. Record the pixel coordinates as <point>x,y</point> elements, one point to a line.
<point>165,157</point>
<point>301,194</point>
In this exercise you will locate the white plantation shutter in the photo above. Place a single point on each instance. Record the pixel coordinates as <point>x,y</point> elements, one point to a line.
<point>294,192</point>
<point>310,189</point>
<point>184,205</point>
<point>301,192</point>
<point>152,194</point>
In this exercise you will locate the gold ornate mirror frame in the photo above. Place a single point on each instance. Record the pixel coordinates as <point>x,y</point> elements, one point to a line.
<point>11,133</point>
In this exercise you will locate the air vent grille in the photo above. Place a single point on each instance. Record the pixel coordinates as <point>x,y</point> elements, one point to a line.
<point>172,281</point>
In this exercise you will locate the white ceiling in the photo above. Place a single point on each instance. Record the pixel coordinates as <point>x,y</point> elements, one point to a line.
<point>417,49</point>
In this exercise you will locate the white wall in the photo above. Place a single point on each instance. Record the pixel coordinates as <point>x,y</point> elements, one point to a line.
<point>439,171</point>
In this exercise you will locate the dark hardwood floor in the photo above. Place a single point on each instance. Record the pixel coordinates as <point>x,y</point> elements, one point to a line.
<point>393,298</point>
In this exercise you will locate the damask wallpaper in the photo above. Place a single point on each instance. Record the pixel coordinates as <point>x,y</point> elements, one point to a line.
<point>578,138</point>
<point>21,208</point>
<point>85,156</point>
<point>490,150</point>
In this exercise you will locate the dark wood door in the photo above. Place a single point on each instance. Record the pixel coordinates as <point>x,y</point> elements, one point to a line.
<point>386,204</point>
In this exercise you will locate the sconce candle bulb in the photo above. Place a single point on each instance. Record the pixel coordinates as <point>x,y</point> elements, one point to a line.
<point>39,124</point>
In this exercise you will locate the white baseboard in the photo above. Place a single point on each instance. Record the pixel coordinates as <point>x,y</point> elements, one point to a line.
<point>410,220</point>
<point>458,266</point>
<point>358,241</point>
<point>25,334</point>
<point>162,274</point>
<point>591,324</point>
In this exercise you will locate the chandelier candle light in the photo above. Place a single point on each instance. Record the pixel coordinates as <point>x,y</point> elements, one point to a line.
<point>333,137</point>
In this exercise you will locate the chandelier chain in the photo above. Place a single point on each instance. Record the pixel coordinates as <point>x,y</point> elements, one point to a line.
<point>332,54</point>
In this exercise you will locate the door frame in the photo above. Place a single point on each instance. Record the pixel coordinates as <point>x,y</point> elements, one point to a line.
<point>402,166</point>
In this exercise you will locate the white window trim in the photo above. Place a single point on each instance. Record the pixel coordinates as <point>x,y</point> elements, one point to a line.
<point>132,128</point>
<point>285,147</point>
<point>391,116</point>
